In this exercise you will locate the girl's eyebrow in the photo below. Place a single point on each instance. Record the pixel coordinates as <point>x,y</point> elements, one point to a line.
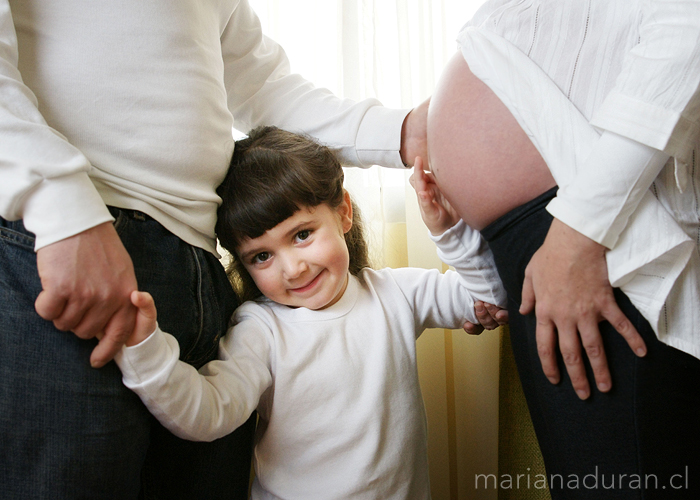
<point>247,255</point>
<point>302,224</point>
<point>292,231</point>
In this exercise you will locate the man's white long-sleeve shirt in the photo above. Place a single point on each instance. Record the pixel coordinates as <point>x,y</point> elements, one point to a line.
<point>601,87</point>
<point>132,104</point>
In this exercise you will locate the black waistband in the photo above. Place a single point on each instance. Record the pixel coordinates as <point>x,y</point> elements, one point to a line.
<point>132,214</point>
<point>508,220</point>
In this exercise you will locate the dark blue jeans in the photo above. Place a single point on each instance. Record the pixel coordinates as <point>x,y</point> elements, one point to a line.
<point>640,440</point>
<point>69,431</point>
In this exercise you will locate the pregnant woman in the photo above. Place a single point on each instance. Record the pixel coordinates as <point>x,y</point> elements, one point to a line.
<point>567,132</point>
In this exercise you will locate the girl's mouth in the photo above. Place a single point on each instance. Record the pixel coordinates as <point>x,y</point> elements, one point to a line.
<point>309,285</point>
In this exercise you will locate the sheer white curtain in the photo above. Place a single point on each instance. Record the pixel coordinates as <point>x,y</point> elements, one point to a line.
<point>394,50</point>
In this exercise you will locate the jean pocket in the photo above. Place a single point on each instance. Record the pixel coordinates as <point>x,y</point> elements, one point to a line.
<point>15,234</point>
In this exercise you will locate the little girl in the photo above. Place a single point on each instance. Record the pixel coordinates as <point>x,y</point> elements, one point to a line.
<point>325,347</point>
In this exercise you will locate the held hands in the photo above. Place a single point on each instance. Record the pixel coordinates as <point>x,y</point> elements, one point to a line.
<point>566,283</point>
<point>490,317</point>
<point>439,216</point>
<point>87,280</point>
<point>146,317</point>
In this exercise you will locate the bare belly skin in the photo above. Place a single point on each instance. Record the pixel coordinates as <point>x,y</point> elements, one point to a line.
<point>483,162</point>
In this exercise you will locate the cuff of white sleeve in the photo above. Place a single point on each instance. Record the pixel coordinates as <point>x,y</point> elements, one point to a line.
<point>451,242</point>
<point>62,207</point>
<point>638,120</point>
<point>374,145</point>
<point>599,201</point>
<point>570,215</point>
<point>145,360</point>
<point>460,242</point>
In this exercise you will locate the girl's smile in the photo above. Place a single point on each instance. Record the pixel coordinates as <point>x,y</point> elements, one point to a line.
<point>303,261</point>
<point>308,286</point>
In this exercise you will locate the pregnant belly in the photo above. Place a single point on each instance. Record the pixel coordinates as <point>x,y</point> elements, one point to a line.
<point>483,162</point>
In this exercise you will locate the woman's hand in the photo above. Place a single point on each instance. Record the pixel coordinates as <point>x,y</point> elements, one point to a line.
<point>566,285</point>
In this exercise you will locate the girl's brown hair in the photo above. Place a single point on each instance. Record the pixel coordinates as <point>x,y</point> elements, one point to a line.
<point>273,174</point>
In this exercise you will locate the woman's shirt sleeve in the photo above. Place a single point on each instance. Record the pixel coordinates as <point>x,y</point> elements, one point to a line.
<point>651,113</point>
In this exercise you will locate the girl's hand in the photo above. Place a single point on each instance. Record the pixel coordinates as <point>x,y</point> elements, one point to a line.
<point>436,211</point>
<point>145,317</point>
<point>490,317</point>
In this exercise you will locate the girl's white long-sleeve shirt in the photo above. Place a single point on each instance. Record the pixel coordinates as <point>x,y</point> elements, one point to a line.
<point>341,412</point>
<point>132,104</point>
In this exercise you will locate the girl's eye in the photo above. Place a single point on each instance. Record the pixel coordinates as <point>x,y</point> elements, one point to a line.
<point>302,235</point>
<point>261,257</point>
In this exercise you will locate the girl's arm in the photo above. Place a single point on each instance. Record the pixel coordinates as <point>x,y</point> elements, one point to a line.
<point>204,405</point>
<point>439,217</point>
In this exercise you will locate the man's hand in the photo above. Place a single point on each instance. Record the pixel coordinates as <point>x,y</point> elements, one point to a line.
<point>566,283</point>
<point>490,317</point>
<point>414,134</point>
<point>87,280</point>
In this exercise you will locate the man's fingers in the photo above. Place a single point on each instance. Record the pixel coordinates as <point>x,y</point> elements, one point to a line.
<point>105,351</point>
<point>502,317</point>
<point>473,329</point>
<point>499,315</point>
<point>66,315</point>
<point>94,320</point>
<point>70,318</point>
<point>49,306</point>
<point>116,333</point>
<point>489,323</point>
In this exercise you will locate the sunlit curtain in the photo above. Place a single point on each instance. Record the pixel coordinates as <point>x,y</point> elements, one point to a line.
<point>394,50</point>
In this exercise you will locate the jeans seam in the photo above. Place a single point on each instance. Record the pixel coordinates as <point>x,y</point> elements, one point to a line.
<point>200,303</point>
<point>16,238</point>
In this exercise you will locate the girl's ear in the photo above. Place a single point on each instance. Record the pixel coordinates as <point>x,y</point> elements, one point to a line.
<point>345,212</point>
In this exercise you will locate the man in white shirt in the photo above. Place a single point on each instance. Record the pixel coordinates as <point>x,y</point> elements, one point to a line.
<point>116,124</point>
<point>625,216</point>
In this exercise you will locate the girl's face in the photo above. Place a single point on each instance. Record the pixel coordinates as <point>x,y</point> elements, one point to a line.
<point>303,261</point>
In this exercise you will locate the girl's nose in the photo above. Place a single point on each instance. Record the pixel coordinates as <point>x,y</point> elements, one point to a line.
<point>293,266</point>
